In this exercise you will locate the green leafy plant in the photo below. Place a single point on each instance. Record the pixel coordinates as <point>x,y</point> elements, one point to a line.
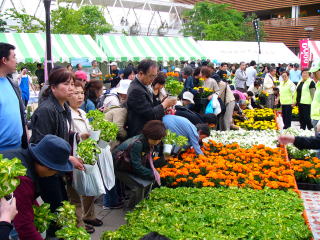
<point>181,141</point>
<point>295,153</point>
<point>173,86</point>
<point>66,215</point>
<point>88,150</point>
<point>216,213</point>
<point>109,130</point>
<point>43,217</point>
<point>10,170</point>
<point>172,138</point>
<point>169,138</point>
<point>73,233</point>
<point>95,115</point>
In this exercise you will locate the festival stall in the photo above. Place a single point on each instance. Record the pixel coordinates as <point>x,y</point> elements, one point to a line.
<point>235,52</point>
<point>136,48</point>
<point>31,47</point>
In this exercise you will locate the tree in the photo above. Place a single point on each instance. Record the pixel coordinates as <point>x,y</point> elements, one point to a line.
<point>2,24</point>
<point>211,21</point>
<point>85,20</point>
<point>249,32</point>
<point>25,23</point>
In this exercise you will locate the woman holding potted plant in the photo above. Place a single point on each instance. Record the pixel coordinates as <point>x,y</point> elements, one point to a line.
<point>53,116</point>
<point>80,125</point>
<point>134,164</point>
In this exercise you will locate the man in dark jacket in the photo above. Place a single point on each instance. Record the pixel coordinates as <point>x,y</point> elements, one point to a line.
<point>47,158</point>
<point>301,142</point>
<point>140,102</point>
<point>12,116</point>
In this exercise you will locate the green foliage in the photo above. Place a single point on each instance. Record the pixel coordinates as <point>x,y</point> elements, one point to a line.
<point>295,153</point>
<point>86,20</point>
<point>73,233</point>
<point>173,86</point>
<point>10,170</point>
<point>42,217</point>
<point>211,21</point>
<point>216,213</point>
<point>32,67</point>
<point>66,215</point>
<point>26,23</point>
<point>249,32</point>
<point>109,130</point>
<point>174,139</point>
<point>87,150</point>
<point>3,24</point>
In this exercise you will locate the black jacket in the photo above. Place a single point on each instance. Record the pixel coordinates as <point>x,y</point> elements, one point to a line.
<point>307,142</point>
<point>24,139</point>
<point>140,108</point>
<point>50,118</point>
<point>193,117</point>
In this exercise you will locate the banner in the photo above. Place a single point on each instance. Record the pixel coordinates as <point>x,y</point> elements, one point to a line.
<point>304,53</point>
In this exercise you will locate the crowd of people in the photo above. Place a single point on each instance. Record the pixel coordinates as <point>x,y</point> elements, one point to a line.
<point>139,105</point>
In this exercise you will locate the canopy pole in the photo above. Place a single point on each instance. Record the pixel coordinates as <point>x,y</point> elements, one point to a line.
<point>47,4</point>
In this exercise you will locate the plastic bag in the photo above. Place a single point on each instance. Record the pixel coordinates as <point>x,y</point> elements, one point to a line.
<point>88,183</point>
<point>213,106</point>
<point>106,166</point>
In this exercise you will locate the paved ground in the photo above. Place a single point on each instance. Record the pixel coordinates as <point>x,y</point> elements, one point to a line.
<point>112,220</point>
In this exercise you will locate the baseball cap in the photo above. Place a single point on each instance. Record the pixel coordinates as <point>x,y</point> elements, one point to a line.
<point>315,67</point>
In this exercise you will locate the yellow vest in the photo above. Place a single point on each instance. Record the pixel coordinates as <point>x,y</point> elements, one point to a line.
<point>305,92</point>
<point>286,96</point>
<point>315,105</point>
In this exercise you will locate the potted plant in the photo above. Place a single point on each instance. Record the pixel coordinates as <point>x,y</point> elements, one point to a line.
<point>173,87</point>
<point>180,142</point>
<point>88,151</point>
<point>108,132</point>
<point>95,116</point>
<point>168,142</point>
<point>67,220</point>
<point>10,170</point>
<point>42,218</point>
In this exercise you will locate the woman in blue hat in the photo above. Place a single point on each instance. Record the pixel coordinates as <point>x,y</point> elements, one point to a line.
<point>43,160</point>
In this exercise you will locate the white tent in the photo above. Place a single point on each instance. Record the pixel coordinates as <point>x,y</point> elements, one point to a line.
<point>235,52</point>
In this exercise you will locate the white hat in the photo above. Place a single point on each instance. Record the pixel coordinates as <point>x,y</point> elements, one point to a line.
<point>177,70</point>
<point>113,64</point>
<point>188,96</point>
<point>123,86</point>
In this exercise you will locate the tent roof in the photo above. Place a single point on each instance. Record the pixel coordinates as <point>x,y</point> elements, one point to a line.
<point>235,52</point>
<point>124,48</point>
<point>30,47</point>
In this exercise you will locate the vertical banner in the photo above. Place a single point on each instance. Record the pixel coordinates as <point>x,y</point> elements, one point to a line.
<point>304,53</point>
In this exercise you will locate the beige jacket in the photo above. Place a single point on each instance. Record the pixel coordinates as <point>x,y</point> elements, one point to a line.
<point>118,115</point>
<point>226,93</point>
<point>80,123</point>
<point>268,84</point>
<point>212,84</point>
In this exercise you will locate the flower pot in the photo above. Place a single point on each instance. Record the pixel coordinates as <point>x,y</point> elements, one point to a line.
<point>167,148</point>
<point>95,135</point>
<point>308,186</point>
<point>88,168</point>
<point>176,149</point>
<point>173,97</point>
<point>102,143</point>
<point>44,234</point>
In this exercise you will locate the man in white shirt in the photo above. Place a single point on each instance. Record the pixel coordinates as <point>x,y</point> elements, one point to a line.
<point>251,73</point>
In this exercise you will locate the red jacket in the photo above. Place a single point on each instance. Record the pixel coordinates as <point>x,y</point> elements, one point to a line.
<point>25,195</point>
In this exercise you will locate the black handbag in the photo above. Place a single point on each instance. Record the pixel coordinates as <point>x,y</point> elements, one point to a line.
<point>122,160</point>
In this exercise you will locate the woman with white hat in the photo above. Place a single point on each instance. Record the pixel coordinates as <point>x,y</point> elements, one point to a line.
<point>118,96</point>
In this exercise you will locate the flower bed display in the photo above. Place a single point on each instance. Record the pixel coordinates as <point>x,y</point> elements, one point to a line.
<point>229,165</point>
<point>247,139</point>
<point>216,213</point>
<point>257,119</point>
<point>307,170</point>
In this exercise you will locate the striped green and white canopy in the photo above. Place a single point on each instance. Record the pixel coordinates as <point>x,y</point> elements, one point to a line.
<point>30,47</point>
<point>136,48</point>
